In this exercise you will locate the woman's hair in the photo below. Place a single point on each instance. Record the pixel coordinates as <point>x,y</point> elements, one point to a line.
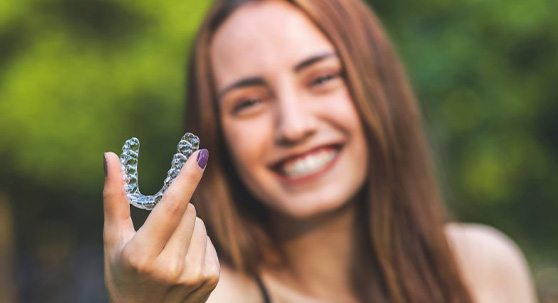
<point>407,255</point>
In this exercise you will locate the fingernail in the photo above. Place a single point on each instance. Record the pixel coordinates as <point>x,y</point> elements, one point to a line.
<point>105,163</point>
<point>203,156</point>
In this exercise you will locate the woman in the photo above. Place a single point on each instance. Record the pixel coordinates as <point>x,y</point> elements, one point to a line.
<point>320,187</point>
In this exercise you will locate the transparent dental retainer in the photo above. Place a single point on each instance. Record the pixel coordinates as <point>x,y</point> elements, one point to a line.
<point>187,145</point>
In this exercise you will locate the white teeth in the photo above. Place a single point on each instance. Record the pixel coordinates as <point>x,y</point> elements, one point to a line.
<point>308,164</point>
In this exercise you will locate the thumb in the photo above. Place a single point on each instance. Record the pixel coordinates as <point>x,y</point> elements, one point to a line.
<point>116,206</point>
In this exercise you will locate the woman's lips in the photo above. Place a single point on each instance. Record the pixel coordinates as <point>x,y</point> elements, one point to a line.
<point>309,164</point>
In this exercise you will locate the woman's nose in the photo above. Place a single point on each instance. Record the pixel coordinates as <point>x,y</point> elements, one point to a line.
<point>295,122</point>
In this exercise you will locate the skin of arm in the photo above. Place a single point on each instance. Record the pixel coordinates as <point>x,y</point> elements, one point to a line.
<point>493,266</point>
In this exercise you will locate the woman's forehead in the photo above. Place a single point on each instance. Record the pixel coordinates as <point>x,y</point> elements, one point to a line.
<point>262,37</point>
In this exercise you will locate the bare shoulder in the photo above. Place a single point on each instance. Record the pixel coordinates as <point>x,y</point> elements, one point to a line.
<point>234,287</point>
<point>493,266</point>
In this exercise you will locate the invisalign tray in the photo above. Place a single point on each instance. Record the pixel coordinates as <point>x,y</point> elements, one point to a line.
<point>187,145</point>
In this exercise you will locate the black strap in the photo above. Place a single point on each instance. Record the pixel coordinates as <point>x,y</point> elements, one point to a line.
<point>263,290</point>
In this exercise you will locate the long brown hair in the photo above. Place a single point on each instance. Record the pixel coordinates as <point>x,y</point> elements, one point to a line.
<point>409,259</point>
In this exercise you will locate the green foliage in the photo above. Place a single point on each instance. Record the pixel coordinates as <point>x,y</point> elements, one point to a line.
<point>80,77</point>
<point>485,74</point>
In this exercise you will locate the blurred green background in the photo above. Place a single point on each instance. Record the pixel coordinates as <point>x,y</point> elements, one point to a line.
<point>79,77</point>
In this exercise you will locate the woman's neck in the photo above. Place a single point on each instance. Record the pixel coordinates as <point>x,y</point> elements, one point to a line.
<point>320,253</point>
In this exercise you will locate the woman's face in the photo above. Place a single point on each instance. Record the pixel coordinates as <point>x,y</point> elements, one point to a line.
<point>294,134</point>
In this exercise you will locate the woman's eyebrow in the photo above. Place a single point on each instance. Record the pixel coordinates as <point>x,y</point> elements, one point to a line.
<point>313,59</point>
<point>252,81</point>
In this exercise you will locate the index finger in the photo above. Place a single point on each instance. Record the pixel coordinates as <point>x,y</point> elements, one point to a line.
<point>165,217</point>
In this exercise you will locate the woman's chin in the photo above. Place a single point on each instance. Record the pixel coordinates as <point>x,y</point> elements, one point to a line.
<point>299,209</point>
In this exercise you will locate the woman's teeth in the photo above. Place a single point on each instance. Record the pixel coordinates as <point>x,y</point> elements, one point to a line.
<point>308,164</point>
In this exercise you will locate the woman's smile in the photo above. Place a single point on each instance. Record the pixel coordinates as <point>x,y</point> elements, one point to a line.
<point>309,165</point>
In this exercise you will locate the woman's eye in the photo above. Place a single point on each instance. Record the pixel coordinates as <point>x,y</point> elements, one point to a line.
<point>245,104</point>
<point>323,79</point>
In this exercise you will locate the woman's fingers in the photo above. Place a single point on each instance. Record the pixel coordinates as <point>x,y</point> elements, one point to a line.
<point>178,244</point>
<point>200,270</point>
<point>167,214</point>
<point>208,277</point>
<point>195,256</point>
<point>186,269</point>
<point>211,268</point>
<point>118,223</point>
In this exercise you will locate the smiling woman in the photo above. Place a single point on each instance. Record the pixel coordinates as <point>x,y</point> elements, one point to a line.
<point>289,123</point>
<point>320,187</point>
<point>347,154</point>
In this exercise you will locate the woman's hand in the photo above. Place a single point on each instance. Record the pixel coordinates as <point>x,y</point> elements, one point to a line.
<point>170,258</point>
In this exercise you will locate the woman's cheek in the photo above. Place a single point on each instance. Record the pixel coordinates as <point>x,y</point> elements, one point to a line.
<point>247,140</point>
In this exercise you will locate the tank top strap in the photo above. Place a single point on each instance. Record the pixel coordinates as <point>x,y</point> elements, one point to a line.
<point>263,290</point>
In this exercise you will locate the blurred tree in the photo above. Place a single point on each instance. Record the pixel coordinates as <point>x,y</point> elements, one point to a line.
<point>74,72</point>
<point>485,73</point>
<point>76,79</point>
